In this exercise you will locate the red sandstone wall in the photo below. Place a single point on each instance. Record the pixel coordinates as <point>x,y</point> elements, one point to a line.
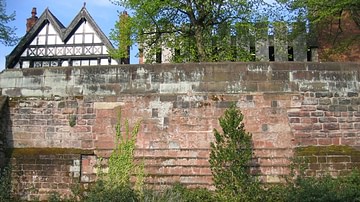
<point>37,173</point>
<point>339,40</point>
<point>286,106</point>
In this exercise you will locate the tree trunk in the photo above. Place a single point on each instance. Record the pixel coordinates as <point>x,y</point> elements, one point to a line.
<point>200,45</point>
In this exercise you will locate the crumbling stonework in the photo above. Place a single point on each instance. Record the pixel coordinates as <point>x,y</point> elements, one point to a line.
<point>288,108</point>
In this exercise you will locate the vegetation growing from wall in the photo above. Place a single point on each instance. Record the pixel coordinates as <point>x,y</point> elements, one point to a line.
<point>229,159</point>
<point>116,185</point>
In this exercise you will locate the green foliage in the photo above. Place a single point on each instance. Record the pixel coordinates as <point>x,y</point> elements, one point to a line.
<point>72,120</point>
<point>230,156</point>
<point>7,33</point>
<point>116,185</point>
<point>326,188</point>
<point>121,162</point>
<point>121,37</point>
<point>54,197</point>
<point>325,19</point>
<point>320,189</point>
<point>101,192</point>
<point>195,30</point>
<point>319,10</point>
<point>180,193</point>
<point>194,195</point>
<point>5,184</point>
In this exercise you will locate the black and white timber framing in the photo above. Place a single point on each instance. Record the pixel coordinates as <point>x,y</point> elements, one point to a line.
<point>49,43</point>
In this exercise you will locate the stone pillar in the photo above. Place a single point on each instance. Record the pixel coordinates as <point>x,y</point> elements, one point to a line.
<point>280,41</point>
<point>299,42</point>
<point>262,41</point>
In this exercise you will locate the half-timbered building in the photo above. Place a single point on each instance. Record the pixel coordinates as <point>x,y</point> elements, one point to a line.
<point>49,43</point>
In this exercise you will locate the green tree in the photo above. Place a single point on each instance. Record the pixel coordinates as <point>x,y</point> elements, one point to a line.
<point>328,19</point>
<point>319,10</point>
<point>7,33</point>
<point>121,37</point>
<point>231,155</point>
<point>188,26</point>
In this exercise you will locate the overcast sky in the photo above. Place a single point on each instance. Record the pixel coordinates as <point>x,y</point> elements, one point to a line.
<point>103,11</point>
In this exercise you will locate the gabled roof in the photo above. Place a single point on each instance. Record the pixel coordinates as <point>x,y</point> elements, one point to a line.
<point>64,32</point>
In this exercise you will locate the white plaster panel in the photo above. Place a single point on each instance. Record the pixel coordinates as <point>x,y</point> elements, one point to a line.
<point>58,40</point>
<point>103,62</point>
<point>113,62</point>
<point>41,40</point>
<point>105,50</point>
<point>88,38</point>
<point>43,31</point>
<point>65,64</point>
<point>51,40</point>
<point>34,41</point>
<point>96,39</point>
<point>93,62</point>
<point>26,64</point>
<point>85,63</point>
<point>76,63</point>
<point>88,28</point>
<point>51,29</point>
<point>71,40</point>
<point>78,39</point>
<point>80,29</point>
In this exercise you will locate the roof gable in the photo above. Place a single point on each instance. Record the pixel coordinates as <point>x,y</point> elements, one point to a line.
<point>65,33</point>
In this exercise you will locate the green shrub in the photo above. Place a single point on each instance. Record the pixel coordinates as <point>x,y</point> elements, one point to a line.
<point>195,194</point>
<point>350,187</point>
<point>100,192</point>
<point>230,158</point>
<point>169,194</point>
<point>180,193</point>
<point>5,184</point>
<point>326,188</point>
<point>54,197</point>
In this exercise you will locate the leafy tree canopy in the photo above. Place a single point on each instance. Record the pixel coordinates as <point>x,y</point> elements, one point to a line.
<point>7,33</point>
<point>335,22</point>
<point>120,36</point>
<point>319,10</point>
<point>191,27</point>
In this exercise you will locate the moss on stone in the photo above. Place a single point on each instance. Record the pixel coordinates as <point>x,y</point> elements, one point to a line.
<point>327,150</point>
<point>21,152</point>
<point>79,97</point>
